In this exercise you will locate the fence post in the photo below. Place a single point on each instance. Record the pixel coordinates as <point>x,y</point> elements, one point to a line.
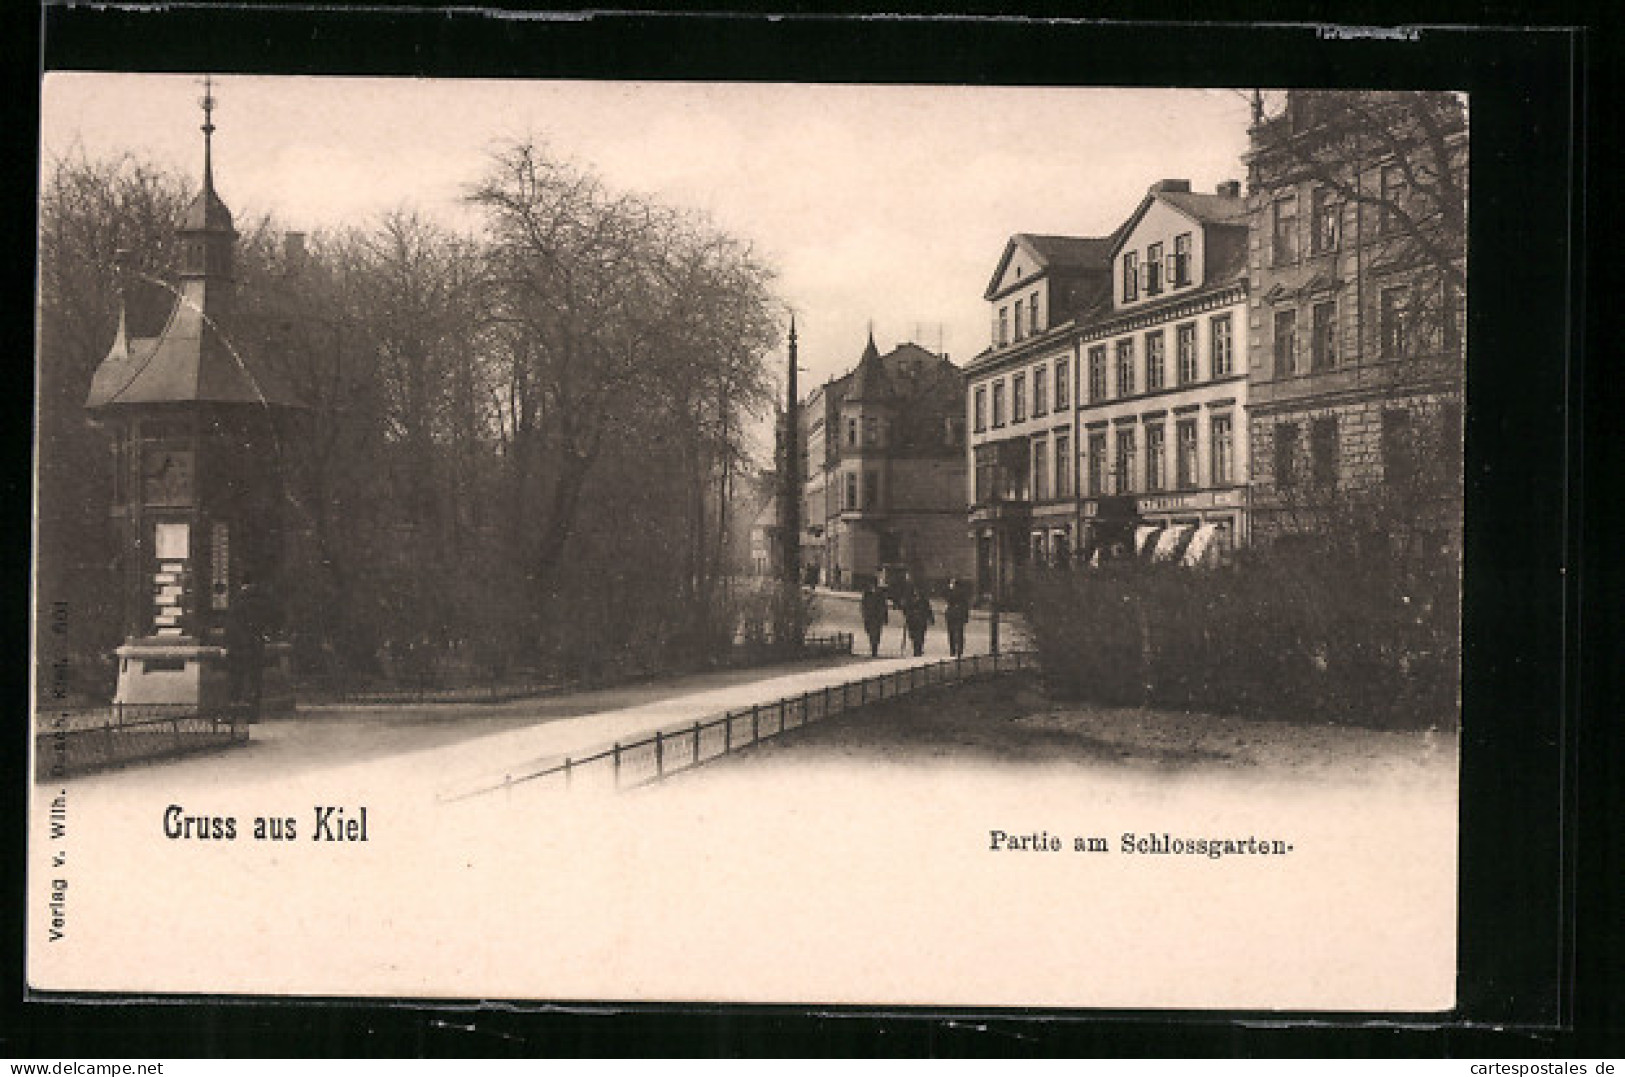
<point>806,707</point>
<point>566,772</point>
<point>727,732</point>
<point>863,691</point>
<point>755,724</point>
<point>826,703</point>
<point>660,755</point>
<point>696,742</point>
<point>617,764</point>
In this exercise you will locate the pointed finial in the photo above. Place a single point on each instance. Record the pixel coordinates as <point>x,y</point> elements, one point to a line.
<point>207,101</point>
<point>792,329</point>
<point>122,259</point>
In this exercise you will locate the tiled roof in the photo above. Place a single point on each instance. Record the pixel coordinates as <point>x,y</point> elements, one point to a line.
<point>1071,252</point>
<point>1208,208</point>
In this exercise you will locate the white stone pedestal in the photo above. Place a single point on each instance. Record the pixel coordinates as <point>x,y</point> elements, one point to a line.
<point>172,671</point>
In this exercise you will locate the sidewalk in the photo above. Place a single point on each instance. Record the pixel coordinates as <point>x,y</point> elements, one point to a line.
<point>485,760</point>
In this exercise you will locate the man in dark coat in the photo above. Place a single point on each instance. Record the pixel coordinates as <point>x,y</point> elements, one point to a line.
<point>917,614</point>
<point>873,605</point>
<point>958,613</point>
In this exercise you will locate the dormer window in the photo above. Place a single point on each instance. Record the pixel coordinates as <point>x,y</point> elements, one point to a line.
<point>1181,270</point>
<point>1032,313</point>
<point>1004,326</point>
<point>1153,269</point>
<point>1131,276</point>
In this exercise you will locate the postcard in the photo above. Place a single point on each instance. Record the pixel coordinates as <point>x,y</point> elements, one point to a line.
<point>963,547</point>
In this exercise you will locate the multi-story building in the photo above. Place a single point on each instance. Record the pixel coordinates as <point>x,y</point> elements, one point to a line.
<point>1162,401</point>
<point>1356,351</point>
<point>884,464</point>
<point>1021,398</point>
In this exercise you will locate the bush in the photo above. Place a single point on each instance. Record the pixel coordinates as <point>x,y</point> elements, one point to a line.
<point>1313,635</point>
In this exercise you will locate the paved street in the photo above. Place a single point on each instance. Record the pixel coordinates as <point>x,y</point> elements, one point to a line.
<point>448,747</point>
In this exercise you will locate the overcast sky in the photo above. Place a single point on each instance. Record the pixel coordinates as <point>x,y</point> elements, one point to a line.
<point>875,203</point>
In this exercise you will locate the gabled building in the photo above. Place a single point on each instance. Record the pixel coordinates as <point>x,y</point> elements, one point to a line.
<point>1162,402</point>
<point>1357,275</point>
<point>1021,397</point>
<point>884,470</point>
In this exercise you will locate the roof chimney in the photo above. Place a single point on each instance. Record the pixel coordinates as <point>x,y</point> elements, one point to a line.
<point>1178,186</point>
<point>1230,189</point>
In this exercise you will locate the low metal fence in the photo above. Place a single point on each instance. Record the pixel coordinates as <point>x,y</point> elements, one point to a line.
<point>63,747</point>
<point>626,765</point>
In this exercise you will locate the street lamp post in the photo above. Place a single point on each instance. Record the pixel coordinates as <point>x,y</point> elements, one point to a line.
<point>790,511</point>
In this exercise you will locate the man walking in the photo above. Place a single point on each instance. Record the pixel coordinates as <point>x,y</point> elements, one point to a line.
<point>873,605</point>
<point>917,614</point>
<point>957,614</point>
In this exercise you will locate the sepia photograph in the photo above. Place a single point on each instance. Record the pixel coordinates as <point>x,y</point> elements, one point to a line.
<point>900,545</point>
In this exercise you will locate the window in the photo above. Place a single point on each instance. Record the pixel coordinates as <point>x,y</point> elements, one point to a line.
<point>1018,398</point>
<point>1323,337</point>
<point>1284,235</point>
<point>1021,312</point>
<point>851,491</point>
<point>998,403</point>
<point>851,431</point>
<point>1154,469</point>
<point>1185,342</point>
<point>1097,463</point>
<point>1398,446</point>
<point>1097,372</point>
<point>1154,355</point>
<point>871,431</point>
<point>1125,367</point>
<point>1123,474</point>
<point>1041,469</point>
<point>1222,346</point>
<point>1286,343</point>
<point>1181,272</point>
<point>1286,455</point>
<point>1033,323</point>
<point>979,417</point>
<point>1323,452</point>
<point>1186,462</point>
<point>1131,276</point>
<point>1062,377</point>
<point>1040,392</point>
<point>1220,435</point>
<point>1153,269</point>
<point>1004,326</point>
<point>1323,221</point>
<point>1063,465</point>
<point>1391,323</point>
<point>1391,184</point>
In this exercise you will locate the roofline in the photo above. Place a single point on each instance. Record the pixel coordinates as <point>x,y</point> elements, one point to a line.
<point>1127,229</point>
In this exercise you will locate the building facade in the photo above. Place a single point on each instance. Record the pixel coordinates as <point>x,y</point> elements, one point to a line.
<point>1355,327</point>
<point>884,471</point>
<point>1021,402</point>
<point>1162,407</point>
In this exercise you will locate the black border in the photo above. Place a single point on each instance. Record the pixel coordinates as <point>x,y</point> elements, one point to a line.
<point>1519,837</point>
